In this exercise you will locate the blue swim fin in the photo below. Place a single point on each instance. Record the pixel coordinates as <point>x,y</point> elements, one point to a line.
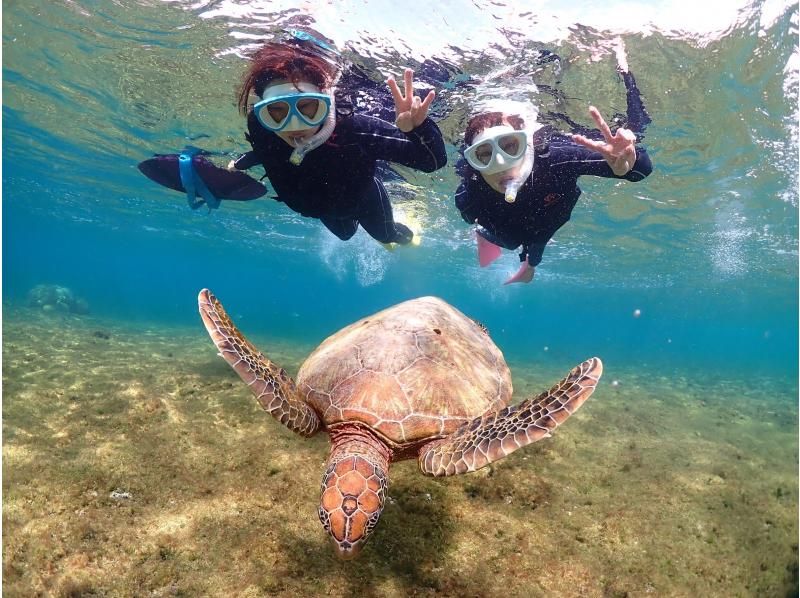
<point>191,173</point>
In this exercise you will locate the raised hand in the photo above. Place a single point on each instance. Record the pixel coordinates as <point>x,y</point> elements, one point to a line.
<point>410,109</point>
<point>618,149</point>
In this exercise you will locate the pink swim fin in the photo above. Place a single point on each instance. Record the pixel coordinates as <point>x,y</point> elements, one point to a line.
<point>487,251</point>
<point>524,274</point>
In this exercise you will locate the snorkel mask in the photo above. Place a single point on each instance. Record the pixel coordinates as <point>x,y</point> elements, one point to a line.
<point>500,148</point>
<point>497,149</point>
<point>287,107</point>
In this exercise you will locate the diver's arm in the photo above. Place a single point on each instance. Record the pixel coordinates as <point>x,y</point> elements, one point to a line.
<point>618,148</point>
<point>411,110</point>
<point>245,161</point>
<point>422,148</point>
<point>468,209</point>
<point>568,159</point>
<point>637,115</point>
<point>428,139</point>
<point>262,142</point>
<point>414,140</point>
<point>638,118</point>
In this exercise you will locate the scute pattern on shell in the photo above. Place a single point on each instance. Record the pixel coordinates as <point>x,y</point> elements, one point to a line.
<point>414,371</point>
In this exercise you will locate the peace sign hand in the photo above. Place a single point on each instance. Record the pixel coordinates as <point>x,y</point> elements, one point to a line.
<point>618,149</point>
<point>410,110</point>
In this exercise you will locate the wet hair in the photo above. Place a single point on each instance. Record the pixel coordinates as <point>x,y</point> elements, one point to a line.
<point>485,120</point>
<point>275,61</point>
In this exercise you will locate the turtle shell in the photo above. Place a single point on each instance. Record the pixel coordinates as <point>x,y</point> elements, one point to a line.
<point>412,372</point>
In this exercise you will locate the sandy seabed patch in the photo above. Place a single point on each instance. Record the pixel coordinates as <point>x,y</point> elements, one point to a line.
<point>135,463</point>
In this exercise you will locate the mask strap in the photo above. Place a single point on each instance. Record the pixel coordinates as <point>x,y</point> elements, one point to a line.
<point>192,182</point>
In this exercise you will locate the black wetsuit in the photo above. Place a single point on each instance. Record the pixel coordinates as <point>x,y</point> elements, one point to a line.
<point>336,182</point>
<point>545,202</point>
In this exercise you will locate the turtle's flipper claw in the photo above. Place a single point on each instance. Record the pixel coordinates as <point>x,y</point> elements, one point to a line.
<point>273,387</point>
<point>498,434</point>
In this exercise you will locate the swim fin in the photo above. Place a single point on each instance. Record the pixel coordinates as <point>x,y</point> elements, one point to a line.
<point>411,230</point>
<point>487,251</point>
<point>165,169</point>
<point>415,227</point>
<point>524,274</point>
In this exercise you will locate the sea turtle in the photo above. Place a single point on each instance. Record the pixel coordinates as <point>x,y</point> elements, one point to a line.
<point>417,380</point>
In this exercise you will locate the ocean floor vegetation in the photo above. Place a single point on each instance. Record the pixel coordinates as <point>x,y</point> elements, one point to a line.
<point>135,463</point>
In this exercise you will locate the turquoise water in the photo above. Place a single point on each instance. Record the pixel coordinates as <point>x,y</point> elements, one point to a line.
<point>706,247</point>
<point>681,474</point>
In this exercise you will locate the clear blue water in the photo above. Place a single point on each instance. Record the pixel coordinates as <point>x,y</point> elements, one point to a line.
<point>680,480</point>
<point>706,247</point>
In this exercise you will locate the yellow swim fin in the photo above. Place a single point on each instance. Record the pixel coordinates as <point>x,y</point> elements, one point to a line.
<point>415,226</point>
<point>410,221</point>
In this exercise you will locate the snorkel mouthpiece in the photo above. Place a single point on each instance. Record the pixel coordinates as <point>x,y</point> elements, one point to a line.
<point>511,190</point>
<point>319,138</point>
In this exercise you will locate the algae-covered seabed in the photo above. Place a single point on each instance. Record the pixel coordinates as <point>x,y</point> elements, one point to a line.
<point>135,463</point>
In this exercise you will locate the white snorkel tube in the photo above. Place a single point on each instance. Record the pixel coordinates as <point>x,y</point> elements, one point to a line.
<point>529,115</point>
<point>319,137</point>
<point>324,49</point>
<point>525,171</point>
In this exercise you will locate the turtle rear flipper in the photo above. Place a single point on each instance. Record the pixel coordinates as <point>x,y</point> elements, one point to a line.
<point>273,387</point>
<point>498,434</point>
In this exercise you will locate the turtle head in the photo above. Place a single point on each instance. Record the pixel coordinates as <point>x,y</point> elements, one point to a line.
<point>353,493</point>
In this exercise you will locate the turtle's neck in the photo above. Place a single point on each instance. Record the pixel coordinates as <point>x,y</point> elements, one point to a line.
<point>353,487</point>
<point>353,439</point>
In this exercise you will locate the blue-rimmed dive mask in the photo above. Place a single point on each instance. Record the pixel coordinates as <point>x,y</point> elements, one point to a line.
<point>497,149</point>
<point>286,107</point>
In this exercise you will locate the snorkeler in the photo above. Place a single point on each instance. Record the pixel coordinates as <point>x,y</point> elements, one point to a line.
<point>519,186</point>
<point>319,155</point>
<point>321,161</point>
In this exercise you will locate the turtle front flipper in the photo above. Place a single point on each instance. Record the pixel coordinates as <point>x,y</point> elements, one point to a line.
<point>274,388</point>
<point>498,434</point>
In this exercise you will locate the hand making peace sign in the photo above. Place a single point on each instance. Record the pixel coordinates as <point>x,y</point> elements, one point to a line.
<point>618,149</point>
<point>410,110</point>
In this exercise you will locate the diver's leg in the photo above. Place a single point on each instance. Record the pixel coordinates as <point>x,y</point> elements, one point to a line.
<point>377,219</point>
<point>534,252</point>
<point>530,257</point>
<point>344,228</point>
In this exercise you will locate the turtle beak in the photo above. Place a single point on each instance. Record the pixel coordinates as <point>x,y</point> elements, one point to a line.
<point>347,551</point>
